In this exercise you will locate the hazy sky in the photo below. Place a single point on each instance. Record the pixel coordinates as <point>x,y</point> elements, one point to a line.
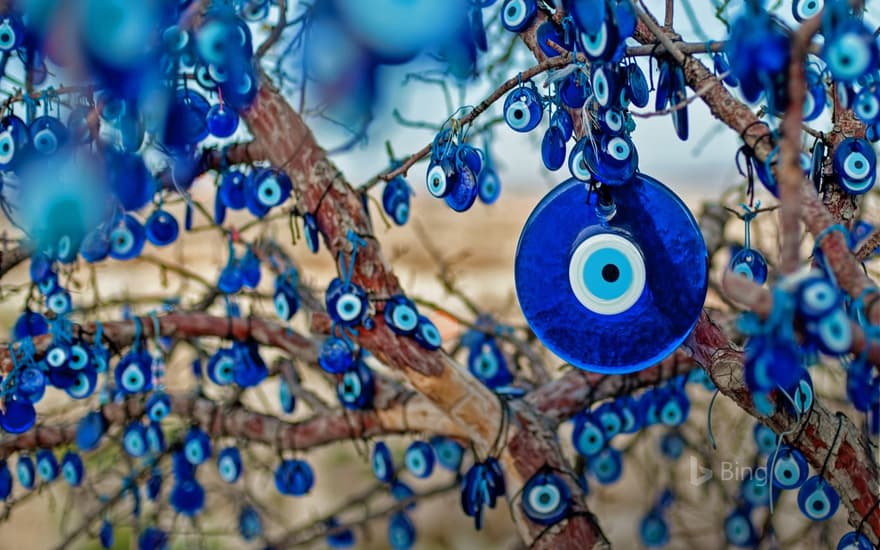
<point>518,156</point>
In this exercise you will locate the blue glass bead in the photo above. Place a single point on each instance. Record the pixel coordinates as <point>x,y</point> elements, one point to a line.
<point>817,500</point>
<point>522,109</point>
<point>162,228</point>
<point>546,498</point>
<point>294,477</point>
<point>788,468</point>
<point>611,295</point>
<point>517,15</point>
<point>751,264</point>
<point>187,497</point>
<point>356,387</point>
<point>222,121</point>
<point>72,468</point>
<point>336,355</point>
<point>229,464</point>
<point>419,459</point>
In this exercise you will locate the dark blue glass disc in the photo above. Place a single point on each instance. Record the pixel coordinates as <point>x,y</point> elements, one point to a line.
<point>611,294</point>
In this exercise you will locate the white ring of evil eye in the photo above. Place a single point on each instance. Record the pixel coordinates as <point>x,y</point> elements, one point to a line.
<point>613,120</point>
<point>518,115</point>
<point>548,504</point>
<point>56,357</point>
<point>622,247</point>
<point>514,13</point>
<point>600,87</point>
<point>595,44</point>
<point>59,303</point>
<point>619,149</point>
<point>437,181</point>
<point>348,307</point>
<point>856,166</point>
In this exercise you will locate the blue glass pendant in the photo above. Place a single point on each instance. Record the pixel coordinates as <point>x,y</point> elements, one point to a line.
<point>817,500</point>
<point>127,239</point>
<point>546,499</point>
<point>161,228</point>
<point>72,468</point>
<point>197,446</point>
<point>90,430</point>
<point>854,540</point>
<point>19,417</point>
<point>355,388</point>
<point>612,289</point>
<point>383,464</point>
<point>419,459</point>
<point>24,469</point>
<point>522,109</point>
<point>517,15</point>
<point>449,452</point>
<point>751,264</point>
<point>855,164</point>
<point>229,464</point>
<point>294,477</point>
<point>788,468</point>
<point>739,530</point>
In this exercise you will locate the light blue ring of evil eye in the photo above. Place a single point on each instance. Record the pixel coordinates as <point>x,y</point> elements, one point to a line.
<point>624,273</point>
<point>659,226</point>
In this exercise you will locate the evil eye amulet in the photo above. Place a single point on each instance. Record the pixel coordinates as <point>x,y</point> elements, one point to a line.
<point>271,187</point>
<point>517,15</point>
<point>817,500</point>
<point>855,164</point>
<point>14,141</point>
<point>355,388</point>
<point>739,530</point>
<point>546,499</point>
<point>127,239</point>
<point>48,135</point>
<point>751,264</point>
<point>229,464</point>
<point>401,315</point>
<point>788,468</point>
<point>854,541</point>
<point>346,303</point>
<point>395,200</point>
<point>72,468</point>
<point>522,109</point>
<point>611,289</point>
<point>419,459</point>
<point>383,464</point>
<point>161,228</point>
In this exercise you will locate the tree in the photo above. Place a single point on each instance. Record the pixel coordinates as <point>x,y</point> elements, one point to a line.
<point>154,79</point>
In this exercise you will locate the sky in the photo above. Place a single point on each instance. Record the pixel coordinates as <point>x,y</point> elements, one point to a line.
<point>702,166</point>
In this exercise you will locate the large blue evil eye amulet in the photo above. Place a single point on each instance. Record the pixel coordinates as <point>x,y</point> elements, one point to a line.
<point>616,284</point>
